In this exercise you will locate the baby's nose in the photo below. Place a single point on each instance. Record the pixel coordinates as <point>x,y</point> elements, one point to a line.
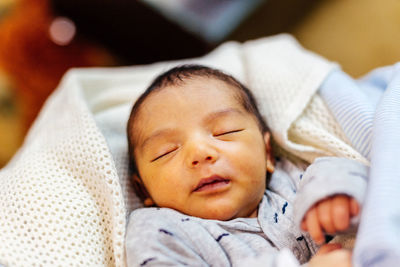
<point>201,153</point>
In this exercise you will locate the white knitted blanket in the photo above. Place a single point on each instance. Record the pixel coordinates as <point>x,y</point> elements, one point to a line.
<point>64,197</point>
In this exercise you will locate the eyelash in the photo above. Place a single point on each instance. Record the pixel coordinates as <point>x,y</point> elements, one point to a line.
<point>229,132</point>
<point>166,153</point>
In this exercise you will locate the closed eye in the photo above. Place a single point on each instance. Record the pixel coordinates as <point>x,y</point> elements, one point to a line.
<point>229,132</point>
<point>163,155</point>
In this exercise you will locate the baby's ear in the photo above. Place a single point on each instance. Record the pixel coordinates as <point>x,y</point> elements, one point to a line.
<point>140,189</point>
<point>268,150</point>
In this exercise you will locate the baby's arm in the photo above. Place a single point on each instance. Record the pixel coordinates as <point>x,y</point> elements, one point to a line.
<point>329,195</point>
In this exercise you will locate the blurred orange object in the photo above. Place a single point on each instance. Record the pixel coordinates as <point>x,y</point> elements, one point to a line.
<point>34,61</point>
<point>36,49</point>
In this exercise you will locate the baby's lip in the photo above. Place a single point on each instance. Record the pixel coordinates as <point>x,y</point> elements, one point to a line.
<point>210,180</point>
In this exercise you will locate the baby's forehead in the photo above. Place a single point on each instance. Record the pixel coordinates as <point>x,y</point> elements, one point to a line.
<point>158,103</point>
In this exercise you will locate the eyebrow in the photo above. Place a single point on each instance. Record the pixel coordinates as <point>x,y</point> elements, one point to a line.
<point>156,134</point>
<point>222,113</point>
<point>209,118</point>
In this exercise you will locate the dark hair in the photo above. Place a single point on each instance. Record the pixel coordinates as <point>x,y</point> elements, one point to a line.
<point>176,76</point>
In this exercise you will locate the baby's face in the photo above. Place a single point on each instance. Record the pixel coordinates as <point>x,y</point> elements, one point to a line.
<point>200,152</point>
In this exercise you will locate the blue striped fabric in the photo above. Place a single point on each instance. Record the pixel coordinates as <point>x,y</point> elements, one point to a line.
<point>351,107</point>
<point>368,111</point>
<point>379,234</point>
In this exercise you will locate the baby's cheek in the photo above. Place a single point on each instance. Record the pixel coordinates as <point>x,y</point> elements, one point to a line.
<point>252,156</point>
<point>254,168</point>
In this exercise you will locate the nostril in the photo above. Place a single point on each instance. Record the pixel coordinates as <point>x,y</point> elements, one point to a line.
<point>196,162</point>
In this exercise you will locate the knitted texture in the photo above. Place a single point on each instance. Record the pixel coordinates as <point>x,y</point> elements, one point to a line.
<point>285,79</point>
<point>60,200</point>
<point>65,196</point>
<point>317,128</point>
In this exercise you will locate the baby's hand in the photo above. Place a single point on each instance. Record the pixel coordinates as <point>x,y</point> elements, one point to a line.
<point>331,255</point>
<point>330,216</point>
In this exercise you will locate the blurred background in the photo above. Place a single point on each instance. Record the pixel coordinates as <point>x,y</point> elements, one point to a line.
<point>41,39</point>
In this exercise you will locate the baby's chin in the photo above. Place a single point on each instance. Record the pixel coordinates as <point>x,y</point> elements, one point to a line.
<point>222,214</point>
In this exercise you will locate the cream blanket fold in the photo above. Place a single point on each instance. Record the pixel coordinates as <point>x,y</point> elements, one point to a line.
<point>64,197</point>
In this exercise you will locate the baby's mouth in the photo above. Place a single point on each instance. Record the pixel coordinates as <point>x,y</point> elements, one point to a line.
<point>210,183</point>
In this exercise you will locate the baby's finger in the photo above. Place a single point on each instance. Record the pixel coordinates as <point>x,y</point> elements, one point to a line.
<point>313,226</point>
<point>341,212</point>
<point>325,216</point>
<point>354,207</point>
<point>303,225</point>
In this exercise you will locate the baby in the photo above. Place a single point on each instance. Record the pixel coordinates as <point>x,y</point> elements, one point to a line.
<point>200,154</point>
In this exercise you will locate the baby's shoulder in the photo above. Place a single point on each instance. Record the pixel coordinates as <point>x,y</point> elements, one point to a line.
<point>149,225</point>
